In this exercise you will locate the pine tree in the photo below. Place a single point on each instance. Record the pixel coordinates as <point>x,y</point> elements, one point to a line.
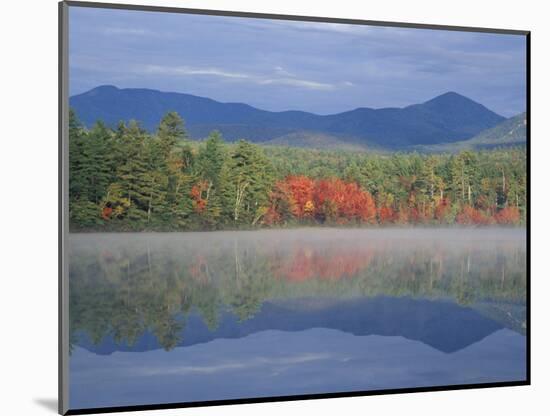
<point>249,179</point>
<point>171,130</point>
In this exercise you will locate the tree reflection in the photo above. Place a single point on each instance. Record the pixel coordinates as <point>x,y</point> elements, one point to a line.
<point>126,286</point>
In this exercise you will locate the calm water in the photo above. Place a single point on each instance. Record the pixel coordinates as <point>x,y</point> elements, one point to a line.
<point>160,318</point>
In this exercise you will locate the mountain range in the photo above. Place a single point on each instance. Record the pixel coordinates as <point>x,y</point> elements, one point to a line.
<point>447,118</point>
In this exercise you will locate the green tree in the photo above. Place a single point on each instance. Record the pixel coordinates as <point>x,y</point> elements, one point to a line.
<point>248,179</point>
<point>171,130</point>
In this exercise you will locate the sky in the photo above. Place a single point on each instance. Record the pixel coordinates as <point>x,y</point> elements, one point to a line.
<point>280,65</point>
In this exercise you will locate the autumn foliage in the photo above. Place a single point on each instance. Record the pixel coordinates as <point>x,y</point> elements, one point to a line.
<point>106,212</point>
<point>341,201</point>
<point>386,215</point>
<point>508,216</point>
<point>326,200</point>
<point>442,209</point>
<point>301,189</point>
<point>333,200</point>
<point>471,216</point>
<point>198,196</point>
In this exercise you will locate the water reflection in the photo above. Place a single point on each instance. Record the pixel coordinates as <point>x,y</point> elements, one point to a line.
<point>446,289</point>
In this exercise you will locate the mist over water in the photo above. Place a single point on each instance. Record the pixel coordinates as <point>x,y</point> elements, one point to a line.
<point>228,309</point>
<point>315,235</point>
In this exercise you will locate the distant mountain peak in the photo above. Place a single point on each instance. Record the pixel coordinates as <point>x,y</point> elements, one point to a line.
<point>106,87</point>
<point>451,96</point>
<point>102,90</point>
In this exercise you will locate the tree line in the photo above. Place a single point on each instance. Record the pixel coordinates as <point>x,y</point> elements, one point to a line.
<point>128,179</point>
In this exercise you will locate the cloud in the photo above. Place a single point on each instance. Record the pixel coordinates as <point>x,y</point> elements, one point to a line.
<point>287,79</point>
<point>342,28</point>
<point>302,83</point>
<point>125,31</point>
<point>186,70</point>
<point>283,72</point>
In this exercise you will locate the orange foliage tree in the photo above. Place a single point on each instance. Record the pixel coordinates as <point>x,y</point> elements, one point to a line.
<point>197,194</point>
<point>442,209</point>
<point>471,216</point>
<point>508,216</point>
<point>335,200</point>
<point>340,201</point>
<point>386,215</point>
<point>106,212</point>
<point>301,189</point>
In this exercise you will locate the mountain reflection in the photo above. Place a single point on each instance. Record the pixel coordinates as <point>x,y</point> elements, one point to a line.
<point>446,288</point>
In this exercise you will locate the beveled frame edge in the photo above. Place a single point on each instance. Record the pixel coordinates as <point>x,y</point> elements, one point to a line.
<point>63,208</point>
<point>63,284</point>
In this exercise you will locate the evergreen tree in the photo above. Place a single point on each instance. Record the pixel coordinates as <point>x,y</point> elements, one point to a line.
<point>249,179</point>
<point>171,130</point>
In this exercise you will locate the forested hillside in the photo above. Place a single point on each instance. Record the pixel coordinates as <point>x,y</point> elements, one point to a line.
<point>129,179</point>
<point>512,132</point>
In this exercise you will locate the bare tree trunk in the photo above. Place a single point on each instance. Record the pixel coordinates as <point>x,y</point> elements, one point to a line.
<point>150,205</point>
<point>177,188</point>
<point>504,189</point>
<point>462,183</point>
<point>208,190</point>
<point>239,199</point>
<point>258,217</point>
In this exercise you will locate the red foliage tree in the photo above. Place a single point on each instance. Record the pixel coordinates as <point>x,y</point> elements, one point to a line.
<point>199,203</point>
<point>442,209</point>
<point>508,216</point>
<point>402,216</point>
<point>360,204</point>
<point>272,216</point>
<point>106,212</point>
<point>386,215</point>
<point>282,204</point>
<point>337,200</point>
<point>415,216</point>
<point>301,190</point>
<point>329,190</point>
<point>471,216</point>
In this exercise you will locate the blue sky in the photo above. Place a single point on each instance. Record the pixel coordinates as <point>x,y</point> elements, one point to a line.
<point>281,65</point>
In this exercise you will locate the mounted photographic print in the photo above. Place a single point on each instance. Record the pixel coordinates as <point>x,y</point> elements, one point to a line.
<point>263,207</point>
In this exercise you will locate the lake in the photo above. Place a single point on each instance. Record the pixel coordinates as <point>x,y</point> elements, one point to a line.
<point>182,317</point>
